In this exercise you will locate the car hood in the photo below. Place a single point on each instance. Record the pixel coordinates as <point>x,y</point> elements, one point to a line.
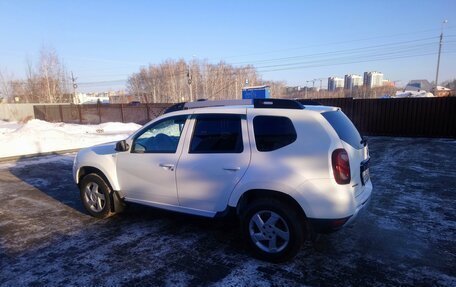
<point>101,149</point>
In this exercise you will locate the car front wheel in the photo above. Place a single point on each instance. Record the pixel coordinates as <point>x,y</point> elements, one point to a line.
<point>95,195</point>
<point>272,229</point>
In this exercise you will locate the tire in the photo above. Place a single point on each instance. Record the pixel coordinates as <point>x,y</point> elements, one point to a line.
<point>96,196</point>
<point>269,223</point>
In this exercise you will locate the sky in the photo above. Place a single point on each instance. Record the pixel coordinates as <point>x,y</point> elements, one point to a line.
<point>103,42</point>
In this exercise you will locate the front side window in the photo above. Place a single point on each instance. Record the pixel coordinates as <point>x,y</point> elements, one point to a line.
<point>160,137</point>
<point>217,133</point>
<point>273,132</point>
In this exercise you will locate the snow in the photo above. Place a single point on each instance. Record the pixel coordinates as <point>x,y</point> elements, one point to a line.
<point>413,94</point>
<point>37,136</point>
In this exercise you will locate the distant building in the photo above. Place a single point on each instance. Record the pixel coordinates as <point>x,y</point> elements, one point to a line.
<point>418,85</point>
<point>91,98</point>
<point>388,83</point>
<point>373,79</point>
<point>334,83</point>
<point>256,92</point>
<point>293,89</point>
<point>351,81</point>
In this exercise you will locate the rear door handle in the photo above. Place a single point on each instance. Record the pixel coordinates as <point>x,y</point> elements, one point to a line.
<point>232,168</point>
<point>167,166</point>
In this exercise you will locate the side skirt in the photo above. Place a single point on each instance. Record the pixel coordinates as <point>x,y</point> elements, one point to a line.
<point>173,207</point>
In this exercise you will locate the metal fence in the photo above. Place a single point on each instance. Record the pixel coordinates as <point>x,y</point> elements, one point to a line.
<point>418,117</point>
<point>425,117</point>
<point>100,113</point>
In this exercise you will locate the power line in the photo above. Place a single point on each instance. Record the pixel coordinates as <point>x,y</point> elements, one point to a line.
<point>351,62</point>
<point>343,42</point>
<point>340,51</point>
<point>301,66</point>
<point>387,51</point>
<point>357,55</point>
<point>374,49</point>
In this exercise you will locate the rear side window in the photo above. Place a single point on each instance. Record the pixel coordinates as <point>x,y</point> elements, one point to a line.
<point>344,128</point>
<point>217,133</point>
<point>272,132</point>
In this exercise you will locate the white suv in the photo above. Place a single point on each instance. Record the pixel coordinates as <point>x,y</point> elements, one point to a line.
<point>285,169</point>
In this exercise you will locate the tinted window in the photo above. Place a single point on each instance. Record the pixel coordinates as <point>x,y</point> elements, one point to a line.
<point>273,132</point>
<point>160,137</point>
<point>344,128</point>
<point>217,134</point>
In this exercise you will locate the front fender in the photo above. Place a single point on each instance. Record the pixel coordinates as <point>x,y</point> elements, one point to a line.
<point>103,158</point>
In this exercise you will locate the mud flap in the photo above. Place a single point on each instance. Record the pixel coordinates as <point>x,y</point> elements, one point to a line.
<point>118,205</point>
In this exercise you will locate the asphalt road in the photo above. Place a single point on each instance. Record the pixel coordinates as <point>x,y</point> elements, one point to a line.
<point>407,235</point>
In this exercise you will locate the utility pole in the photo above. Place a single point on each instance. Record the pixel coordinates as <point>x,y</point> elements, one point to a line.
<point>189,81</point>
<point>305,94</point>
<point>75,86</point>
<point>236,88</point>
<point>438,58</point>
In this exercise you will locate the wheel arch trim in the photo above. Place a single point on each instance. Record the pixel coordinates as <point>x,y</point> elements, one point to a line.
<point>87,169</point>
<point>237,199</point>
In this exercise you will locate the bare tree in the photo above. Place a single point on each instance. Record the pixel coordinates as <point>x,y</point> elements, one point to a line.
<point>175,81</point>
<point>5,85</point>
<point>52,75</point>
<point>47,82</point>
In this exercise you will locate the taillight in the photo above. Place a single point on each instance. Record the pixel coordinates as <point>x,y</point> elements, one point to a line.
<point>341,166</point>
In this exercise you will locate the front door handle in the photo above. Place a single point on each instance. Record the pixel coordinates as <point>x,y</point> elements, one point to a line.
<point>232,168</point>
<point>167,166</point>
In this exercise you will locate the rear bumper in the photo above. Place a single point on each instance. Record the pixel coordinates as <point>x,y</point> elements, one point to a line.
<point>331,225</point>
<point>327,225</point>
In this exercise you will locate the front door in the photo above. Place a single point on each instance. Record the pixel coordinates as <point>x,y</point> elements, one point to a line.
<point>147,174</point>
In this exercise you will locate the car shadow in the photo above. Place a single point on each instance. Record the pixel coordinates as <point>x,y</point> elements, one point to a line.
<point>50,175</point>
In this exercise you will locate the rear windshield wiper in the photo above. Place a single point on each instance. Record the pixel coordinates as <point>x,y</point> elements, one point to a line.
<point>363,141</point>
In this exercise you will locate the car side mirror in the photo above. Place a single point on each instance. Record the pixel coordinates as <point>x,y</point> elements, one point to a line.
<point>122,146</point>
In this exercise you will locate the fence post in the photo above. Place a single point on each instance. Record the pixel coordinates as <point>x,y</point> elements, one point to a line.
<point>61,113</point>
<point>99,112</point>
<point>147,110</point>
<point>122,112</point>
<point>80,114</point>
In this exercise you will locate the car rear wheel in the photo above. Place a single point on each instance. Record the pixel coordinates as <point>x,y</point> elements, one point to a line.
<point>96,196</point>
<point>272,230</point>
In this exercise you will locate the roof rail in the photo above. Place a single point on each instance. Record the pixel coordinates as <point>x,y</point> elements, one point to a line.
<point>175,107</point>
<point>309,102</point>
<point>222,103</point>
<point>277,104</point>
<point>256,103</point>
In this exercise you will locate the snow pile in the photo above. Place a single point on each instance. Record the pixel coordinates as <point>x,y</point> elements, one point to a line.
<point>38,136</point>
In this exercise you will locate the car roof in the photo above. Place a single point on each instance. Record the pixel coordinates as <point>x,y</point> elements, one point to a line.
<point>230,105</point>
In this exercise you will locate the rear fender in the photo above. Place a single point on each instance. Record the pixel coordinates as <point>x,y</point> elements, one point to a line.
<point>272,186</point>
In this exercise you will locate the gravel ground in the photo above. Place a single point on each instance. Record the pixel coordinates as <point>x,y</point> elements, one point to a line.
<point>407,235</point>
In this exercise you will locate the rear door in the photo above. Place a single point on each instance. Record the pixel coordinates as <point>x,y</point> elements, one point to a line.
<point>213,161</point>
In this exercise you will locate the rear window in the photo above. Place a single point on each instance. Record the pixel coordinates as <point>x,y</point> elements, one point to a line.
<point>273,132</point>
<point>217,133</point>
<point>344,128</point>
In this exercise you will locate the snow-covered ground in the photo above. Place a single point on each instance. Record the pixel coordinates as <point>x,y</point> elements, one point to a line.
<point>38,136</point>
<point>404,237</point>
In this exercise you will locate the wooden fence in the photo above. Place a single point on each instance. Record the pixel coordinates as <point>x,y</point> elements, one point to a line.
<point>423,117</point>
